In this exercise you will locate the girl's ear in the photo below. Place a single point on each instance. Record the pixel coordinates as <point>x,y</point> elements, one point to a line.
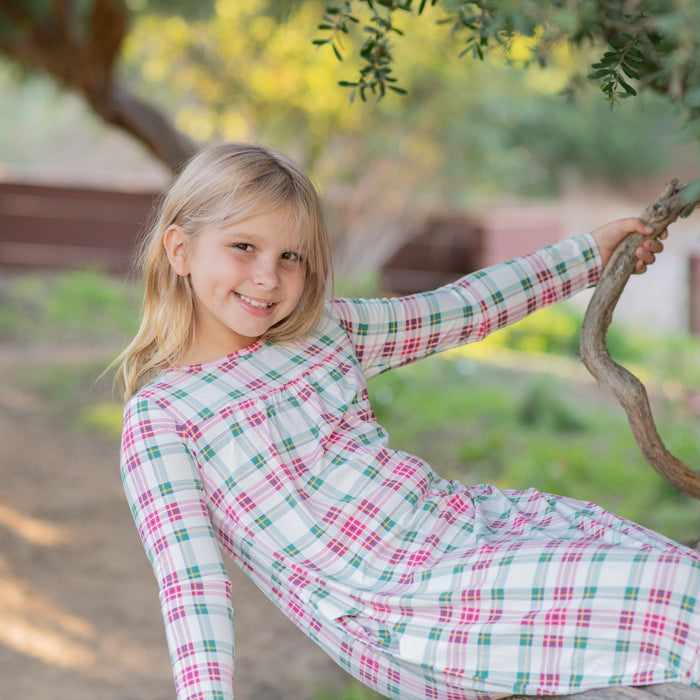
<point>175,244</point>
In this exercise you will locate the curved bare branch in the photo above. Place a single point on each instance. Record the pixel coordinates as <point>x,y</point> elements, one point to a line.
<point>149,125</point>
<point>628,390</point>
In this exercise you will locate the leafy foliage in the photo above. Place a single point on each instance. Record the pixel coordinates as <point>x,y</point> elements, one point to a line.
<point>287,96</point>
<point>222,69</point>
<point>649,44</point>
<point>226,69</point>
<point>376,73</point>
<point>623,57</point>
<point>556,330</point>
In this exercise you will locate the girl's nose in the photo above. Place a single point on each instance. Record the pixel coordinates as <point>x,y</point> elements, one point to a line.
<point>266,273</point>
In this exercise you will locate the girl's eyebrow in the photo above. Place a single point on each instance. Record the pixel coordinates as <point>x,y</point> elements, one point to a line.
<point>239,227</point>
<point>295,244</point>
<point>229,233</point>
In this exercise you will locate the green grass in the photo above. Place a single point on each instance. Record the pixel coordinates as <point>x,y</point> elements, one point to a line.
<point>82,307</point>
<point>77,306</point>
<point>353,691</point>
<point>80,392</point>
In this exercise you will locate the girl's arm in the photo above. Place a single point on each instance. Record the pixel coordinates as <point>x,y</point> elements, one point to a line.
<point>392,332</point>
<point>167,502</point>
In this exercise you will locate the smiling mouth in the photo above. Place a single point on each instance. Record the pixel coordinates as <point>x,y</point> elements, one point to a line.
<point>254,302</point>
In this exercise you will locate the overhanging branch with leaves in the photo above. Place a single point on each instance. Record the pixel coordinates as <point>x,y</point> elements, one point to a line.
<point>645,45</point>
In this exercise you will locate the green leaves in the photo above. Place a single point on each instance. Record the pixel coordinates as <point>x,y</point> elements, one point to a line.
<point>623,60</point>
<point>336,21</point>
<point>376,72</point>
<point>482,25</point>
<point>648,45</point>
<point>475,25</point>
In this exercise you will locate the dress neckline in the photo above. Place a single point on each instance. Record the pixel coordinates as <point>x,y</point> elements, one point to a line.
<point>235,356</point>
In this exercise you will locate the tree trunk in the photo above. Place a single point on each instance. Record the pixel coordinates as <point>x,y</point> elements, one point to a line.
<point>82,56</point>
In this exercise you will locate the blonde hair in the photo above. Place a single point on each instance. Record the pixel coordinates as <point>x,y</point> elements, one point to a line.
<point>220,186</point>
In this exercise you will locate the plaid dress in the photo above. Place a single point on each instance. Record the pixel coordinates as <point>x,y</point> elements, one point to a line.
<point>418,586</point>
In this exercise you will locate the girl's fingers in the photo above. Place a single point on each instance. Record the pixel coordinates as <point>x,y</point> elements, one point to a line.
<point>653,245</point>
<point>646,255</point>
<point>647,252</point>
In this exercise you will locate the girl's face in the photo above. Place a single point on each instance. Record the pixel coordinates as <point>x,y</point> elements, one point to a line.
<point>245,277</point>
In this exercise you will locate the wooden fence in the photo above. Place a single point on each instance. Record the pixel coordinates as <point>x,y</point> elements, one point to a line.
<point>56,226</point>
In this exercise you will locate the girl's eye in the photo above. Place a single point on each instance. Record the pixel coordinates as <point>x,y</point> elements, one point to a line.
<point>245,247</point>
<point>291,257</point>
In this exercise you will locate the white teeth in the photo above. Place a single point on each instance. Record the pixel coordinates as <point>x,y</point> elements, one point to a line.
<point>253,302</point>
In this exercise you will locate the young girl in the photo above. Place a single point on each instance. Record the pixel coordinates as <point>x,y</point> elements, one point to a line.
<point>249,430</point>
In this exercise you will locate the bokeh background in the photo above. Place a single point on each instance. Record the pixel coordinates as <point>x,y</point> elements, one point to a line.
<point>490,156</point>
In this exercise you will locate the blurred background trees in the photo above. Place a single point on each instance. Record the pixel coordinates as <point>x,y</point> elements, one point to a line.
<point>177,74</point>
<point>521,122</point>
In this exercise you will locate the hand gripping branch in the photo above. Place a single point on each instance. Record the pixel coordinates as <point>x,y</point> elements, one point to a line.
<point>628,390</point>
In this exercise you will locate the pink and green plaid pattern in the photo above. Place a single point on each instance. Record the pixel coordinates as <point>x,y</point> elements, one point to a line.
<point>419,587</point>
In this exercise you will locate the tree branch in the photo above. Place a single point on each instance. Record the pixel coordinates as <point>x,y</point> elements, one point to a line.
<point>83,60</point>
<point>64,23</point>
<point>147,124</point>
<point>108,25</point>
<point>628,390</point>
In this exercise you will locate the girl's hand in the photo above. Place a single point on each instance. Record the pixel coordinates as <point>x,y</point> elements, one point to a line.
<point>609,235</point>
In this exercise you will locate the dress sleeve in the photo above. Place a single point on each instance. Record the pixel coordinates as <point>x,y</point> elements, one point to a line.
<point>167,502</point>
<point>388,333</point>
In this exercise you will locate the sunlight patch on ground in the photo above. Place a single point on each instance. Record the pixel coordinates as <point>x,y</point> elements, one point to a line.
<point>40,533</point>
<point>32,625</point>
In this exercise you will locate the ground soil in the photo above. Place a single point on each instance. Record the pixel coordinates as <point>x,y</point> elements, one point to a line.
<point>79,614</point>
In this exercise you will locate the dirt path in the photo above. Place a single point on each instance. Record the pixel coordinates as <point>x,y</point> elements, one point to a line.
<point>79,616</point>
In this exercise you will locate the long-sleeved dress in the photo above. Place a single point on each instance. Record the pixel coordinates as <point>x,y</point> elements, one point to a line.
<point>418,586</point>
